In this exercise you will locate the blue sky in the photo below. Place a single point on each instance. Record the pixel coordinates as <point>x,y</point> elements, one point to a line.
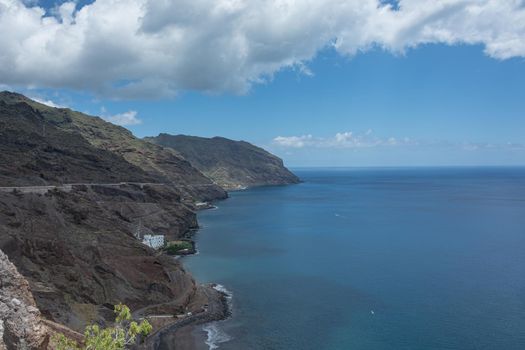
<point>423,104</point>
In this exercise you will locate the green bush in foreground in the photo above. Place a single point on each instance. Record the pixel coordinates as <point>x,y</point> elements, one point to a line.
<point>119,337</point>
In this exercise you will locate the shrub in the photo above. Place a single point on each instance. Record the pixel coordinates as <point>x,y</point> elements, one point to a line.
<point>175,247</point>
<point>121,336</point>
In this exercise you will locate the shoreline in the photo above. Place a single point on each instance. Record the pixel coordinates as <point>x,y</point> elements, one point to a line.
<point>203,334</point>
<point>189,333</point>
<point>183,334</point>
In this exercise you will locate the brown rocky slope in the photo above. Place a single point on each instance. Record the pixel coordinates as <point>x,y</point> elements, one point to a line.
<point>75,245</point>
<point>164,164</point>
<point>36,152</point>
<point>78,252</point>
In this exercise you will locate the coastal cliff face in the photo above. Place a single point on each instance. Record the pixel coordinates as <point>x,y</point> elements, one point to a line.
<point>75,191</point>
<point>75,244</point>
<point>231,164</point>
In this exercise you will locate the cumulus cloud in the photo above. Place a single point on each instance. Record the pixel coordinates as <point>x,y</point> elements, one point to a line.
<point>294,141</point>
<point>351,140</point>
<point>152,48</point>
<point>346,139</point>
<point>124,119</point>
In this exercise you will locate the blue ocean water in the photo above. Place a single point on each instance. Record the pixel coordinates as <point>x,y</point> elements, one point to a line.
<point>409,258</point>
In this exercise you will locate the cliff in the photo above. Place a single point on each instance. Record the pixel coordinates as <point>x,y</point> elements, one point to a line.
<point>74,192</point>
<point>231,164</point>
<point>75,244</point>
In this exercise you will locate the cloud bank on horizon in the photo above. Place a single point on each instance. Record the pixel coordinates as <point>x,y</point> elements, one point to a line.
<point>355,141</point>
<point>156,48</point>
<point>347,139</point>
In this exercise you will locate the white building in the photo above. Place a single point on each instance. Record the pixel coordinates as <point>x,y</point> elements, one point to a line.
<point>153,241</point>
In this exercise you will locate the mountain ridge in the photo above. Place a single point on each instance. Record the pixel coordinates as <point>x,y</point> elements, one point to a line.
<point>166,165</point>
<point>231,164</point>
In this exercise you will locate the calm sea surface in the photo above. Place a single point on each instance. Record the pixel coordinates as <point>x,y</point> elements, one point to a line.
<point>423,258</point>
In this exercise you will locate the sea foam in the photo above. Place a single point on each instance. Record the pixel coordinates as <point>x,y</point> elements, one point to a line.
<point>222,289</point>
<point>215,335</point>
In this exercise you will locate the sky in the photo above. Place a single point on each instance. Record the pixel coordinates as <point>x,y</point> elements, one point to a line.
<point>319,83</point>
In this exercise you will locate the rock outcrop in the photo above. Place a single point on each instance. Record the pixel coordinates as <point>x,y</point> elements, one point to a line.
<point>21,325</point>
<point>231,164</point>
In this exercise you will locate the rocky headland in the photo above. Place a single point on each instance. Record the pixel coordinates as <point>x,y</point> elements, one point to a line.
<point>75,193</point>
<point>231,164</point>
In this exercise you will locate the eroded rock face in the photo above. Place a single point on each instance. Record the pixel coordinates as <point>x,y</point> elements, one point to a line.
<point>21,326</point>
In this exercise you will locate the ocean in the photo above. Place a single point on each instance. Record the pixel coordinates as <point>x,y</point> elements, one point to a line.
<point>378,258</point>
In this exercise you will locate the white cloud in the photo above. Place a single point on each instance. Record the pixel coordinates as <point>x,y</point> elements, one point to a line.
<point>294,141</point>
<point>149,48</point>
<point>124,119</point>
<point>351,140</point>
<point>346,139</point>
<point>481,146</point>
<point>48,102</point>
